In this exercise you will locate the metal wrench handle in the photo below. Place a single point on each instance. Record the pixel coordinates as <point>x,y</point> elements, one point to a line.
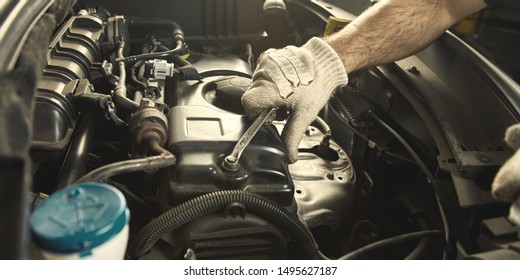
<point>231,161</point>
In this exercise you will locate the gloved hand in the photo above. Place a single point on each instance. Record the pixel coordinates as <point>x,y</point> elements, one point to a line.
<point>506,186</point>
<point>299,80</point>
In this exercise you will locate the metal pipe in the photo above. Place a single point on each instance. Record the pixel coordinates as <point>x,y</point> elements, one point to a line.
<point>148,164</point>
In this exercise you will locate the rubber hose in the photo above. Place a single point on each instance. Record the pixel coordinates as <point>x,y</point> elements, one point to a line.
<point>217,202</point>
<point>134,77</point>
<point>420,220</point>
<point>276,21</point>
<point>119,96</point>
<point>423,244</point>
<point>392,241</point>
<point>177,35</point>
<point>180,49</point>
<point>426,171</point>
<point>180,61</point>
<point>176,59</point>
<point>75,163</point>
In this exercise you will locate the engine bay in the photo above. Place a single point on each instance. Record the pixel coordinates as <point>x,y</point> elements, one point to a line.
<point>133,98</point>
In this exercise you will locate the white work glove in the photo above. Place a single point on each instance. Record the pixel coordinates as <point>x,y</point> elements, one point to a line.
<point>299,80</point>
<point>506,186</point>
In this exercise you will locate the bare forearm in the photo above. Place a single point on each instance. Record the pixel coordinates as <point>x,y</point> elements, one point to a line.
<point>394,29</point>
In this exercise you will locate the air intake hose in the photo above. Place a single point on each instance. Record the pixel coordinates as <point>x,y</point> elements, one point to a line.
<point>276,23</point>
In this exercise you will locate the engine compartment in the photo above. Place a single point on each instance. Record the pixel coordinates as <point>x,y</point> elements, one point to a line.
<point>125,83</point>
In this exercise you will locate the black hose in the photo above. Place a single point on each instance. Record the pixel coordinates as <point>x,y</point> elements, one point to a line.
<point>347,121</point>
<point>178,60</point>
<point>425,170</point>
<point>355,229</point>
<point>114,117</point>
<point>120,99</point>
<point>177,35</point>
<point>148,164</point>
<point>75,163</point>
<point>416,215</point>
<point>276,23</point>
<point>216,202</point>
<point>359,253</point>
<point>423,244</point>
<point>134,76</point>
<point>180,49</point>
<point>121,64</point>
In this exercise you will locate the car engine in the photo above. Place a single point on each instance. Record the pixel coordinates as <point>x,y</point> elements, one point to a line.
<point>120,75</point>
<point>148,101</point>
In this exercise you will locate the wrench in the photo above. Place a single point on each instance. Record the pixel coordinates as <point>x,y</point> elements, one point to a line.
<point>230,163</point>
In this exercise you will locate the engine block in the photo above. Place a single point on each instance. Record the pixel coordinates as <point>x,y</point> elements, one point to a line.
<point>202,134</point>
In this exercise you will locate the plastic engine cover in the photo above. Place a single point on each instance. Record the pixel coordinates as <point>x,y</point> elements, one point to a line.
<point>202,135</point>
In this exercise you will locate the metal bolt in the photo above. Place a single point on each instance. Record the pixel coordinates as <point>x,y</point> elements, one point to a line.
<point>413,70</point>
<point>230,163</point>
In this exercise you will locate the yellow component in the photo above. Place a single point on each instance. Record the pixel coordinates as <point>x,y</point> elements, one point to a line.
<point>468,25</point>
<point>185,56</point>
<point>334,25</point>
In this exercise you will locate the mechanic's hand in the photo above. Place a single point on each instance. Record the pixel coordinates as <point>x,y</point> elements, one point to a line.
<point>299,80</point>
<point>506,186</point>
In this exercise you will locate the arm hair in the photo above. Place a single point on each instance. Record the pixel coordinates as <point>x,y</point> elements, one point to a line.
<point>393,29</point>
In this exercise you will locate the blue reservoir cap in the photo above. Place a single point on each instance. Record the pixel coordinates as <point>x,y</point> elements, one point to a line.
<point>79,217</point>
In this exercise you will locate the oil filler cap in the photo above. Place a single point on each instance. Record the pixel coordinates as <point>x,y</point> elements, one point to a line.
<point>80,218</point>
<point>226,93</point>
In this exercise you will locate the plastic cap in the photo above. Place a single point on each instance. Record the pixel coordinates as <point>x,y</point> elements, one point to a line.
<point>79,218</point>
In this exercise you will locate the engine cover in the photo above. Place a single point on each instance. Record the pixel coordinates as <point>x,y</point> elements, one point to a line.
<point>202,134</point>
